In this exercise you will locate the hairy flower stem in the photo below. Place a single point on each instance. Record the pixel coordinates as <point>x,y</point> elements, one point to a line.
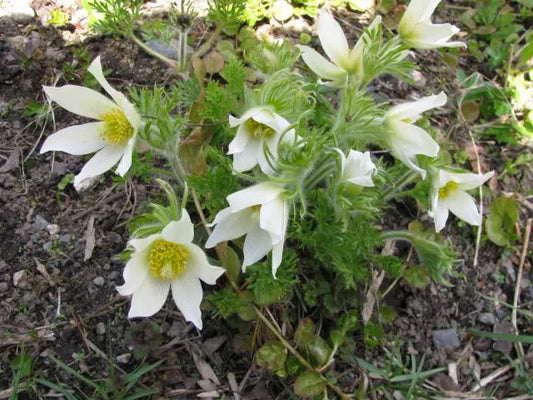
<point>318,174</point>
<point>183,50</point>
<point>207,45</point>
<point>170,62</point>
<point>175,165</point>
<point>404,180</point>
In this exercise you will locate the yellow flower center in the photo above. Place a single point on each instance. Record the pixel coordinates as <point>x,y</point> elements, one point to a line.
<point>117,129</point>
<point>258,130</point>
<point>447,189</point>
<point>167,260</point>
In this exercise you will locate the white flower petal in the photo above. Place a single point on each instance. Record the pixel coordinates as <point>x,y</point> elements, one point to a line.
<point>463,206</point>
<point>248,157</point>
<point>256,245</point>
<point>410,161</point>
<point>134,274</point>
<point>431,36</point>
<point>187,294</point>
<point>277,256</point>
<point>100,163</point>
<point>362,181</point>
<point>232,226</point>
<point>149,297</point>
<point>96,70</point>
<point>197,262</point>
<point>332,39</point>
<point>181,231</point>
<point>125,162</point>
<point>359,168</point>
<point>258,194</point>
<point>273,218</point>
<point>418,11</point>
<point>239,142</point>
<point>412,110</point>
<point>320,66</point>
<point>131,114</point>
<point>77,139</point>
<point>141,244</point>
<point>465,181</point>
<point>440,215</point>
<point>80,100</point>
<point>272,120</point>
<point>411,139</point>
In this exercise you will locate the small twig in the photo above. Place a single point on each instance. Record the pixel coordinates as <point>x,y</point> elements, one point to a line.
<point>200,212</point>
<point>295,353</point>
<point>489,378</point>
<point>480,228</point>
<point>525,246</point>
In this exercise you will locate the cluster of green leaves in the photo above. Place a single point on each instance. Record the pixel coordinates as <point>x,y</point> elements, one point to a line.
<point>344,247</point>
<point>316,352</point>
<point>498,36</point>
<point>118,17</point>
<point>496,28</point>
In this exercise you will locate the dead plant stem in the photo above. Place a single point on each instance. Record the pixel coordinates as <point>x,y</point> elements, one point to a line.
<point>525,245</point>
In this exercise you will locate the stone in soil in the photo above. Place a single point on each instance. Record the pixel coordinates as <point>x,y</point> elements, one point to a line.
<point>445,338</point>
<point>17,10</point>
<point>503,346</point>
<point>20,279</point>
<point>487,318</point>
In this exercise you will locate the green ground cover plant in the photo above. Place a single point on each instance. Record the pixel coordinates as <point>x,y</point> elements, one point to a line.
<point>280,171</point>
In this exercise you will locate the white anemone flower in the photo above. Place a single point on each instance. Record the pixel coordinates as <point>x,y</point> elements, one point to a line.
<point>168,261</point>
<point>357,168</point>
<point>261,213</point>
<point>449,194</point>
<point>258,127</point>
<point>407,140</point>
<point>112,137</point>
<point>345,61</point>
<point>418,32</point>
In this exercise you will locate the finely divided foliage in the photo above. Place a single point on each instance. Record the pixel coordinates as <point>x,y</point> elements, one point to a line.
<point>311,183</point>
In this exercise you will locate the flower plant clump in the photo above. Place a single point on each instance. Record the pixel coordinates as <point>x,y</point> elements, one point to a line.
<point>303,161</point>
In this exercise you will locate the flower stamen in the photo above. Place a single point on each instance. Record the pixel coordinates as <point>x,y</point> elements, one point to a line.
<point>448,189</point>
<point>117,128</point>
<point>258,130</point>
<point>167,260</point>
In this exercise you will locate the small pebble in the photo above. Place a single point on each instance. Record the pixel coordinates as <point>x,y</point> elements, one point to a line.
<point>446,338</point>
<point>52,229</point>
<point>20,278</point>
<point>124,358</point>
<point>40,222</point>
<point>3,287</point>
<point>503,346</point>
<point>99,281</point>
<point>100,328</point>
<point>487,318</point>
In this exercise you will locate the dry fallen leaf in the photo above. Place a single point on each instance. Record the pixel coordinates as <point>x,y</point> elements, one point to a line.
<point>89,239</point>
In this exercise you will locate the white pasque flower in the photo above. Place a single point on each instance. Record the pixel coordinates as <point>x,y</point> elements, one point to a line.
<point>113,137</point>
<point>357,168</point>
<point>168,260</point>
<point>346,61</point>
<point>449,194</point>
<point>261,213</point>
<point>407,140</point>
<point>258,127</point>
<point>417,31</point>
